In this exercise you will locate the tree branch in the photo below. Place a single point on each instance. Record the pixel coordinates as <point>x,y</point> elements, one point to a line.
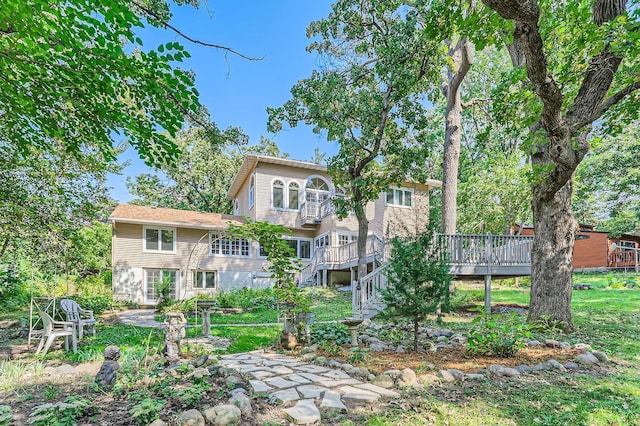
<point>193,40</point>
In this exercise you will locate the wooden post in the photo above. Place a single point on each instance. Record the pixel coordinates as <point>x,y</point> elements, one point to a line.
<point>487,294</point>
<point>324,278</point>
<point>487,278</point>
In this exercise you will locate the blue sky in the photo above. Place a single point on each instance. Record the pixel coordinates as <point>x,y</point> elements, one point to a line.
<point>237,91</point>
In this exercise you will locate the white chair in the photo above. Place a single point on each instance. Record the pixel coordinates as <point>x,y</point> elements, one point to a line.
<point>80,317</point>
<point>53,329</point>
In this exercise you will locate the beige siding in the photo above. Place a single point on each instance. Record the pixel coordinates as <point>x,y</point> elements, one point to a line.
<point>192,252</point>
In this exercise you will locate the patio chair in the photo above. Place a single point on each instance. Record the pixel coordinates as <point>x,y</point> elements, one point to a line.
<point>80,317</point>
<point>53,329</point>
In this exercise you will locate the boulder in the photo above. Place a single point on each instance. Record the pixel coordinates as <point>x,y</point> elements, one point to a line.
<point>191,417</point>
<point>407,377</point>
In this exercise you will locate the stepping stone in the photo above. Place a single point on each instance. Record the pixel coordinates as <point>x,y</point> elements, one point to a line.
<point>249,369</point>
<point>349,392</point>
<point>261,374</point>
<point>304,412</point>
<point>336,374</point>
<point>313,377</point>
<point>298,379</point>
<point>307,368</point>
<point>269,363</point>
<point>311,391</point>
<point>341,382</point>
<point>332,401</point>
<point>259,386</point>
<point>285,396</point>
<point>377,389</point>
<point>280,383</point>
<point>281,369</point>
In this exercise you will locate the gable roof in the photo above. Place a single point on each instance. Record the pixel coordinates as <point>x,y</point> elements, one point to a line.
<point>129,213</point>
<point>250,162</point>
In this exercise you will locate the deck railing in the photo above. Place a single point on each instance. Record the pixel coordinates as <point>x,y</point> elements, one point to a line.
<point>315,211</point>
<point>471,249</point>
<point>366,296</point>
<point>625,257</point>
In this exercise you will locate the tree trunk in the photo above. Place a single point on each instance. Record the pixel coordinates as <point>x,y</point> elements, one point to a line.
<point>461,55</point>
<point>552,257</point>
<point>363,230</point>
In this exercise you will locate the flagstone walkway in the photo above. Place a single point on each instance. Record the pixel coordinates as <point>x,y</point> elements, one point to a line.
<point>306,388</point>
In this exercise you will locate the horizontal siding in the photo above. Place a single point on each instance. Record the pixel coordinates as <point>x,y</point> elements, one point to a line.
<point>591,252</point>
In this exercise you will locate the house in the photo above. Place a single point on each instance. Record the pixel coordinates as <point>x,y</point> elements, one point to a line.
<point>190,252</point>
<point>598,250</point>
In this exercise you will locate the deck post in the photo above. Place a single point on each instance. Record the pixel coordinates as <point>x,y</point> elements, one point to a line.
<point>324,278</point>
<point>487,294</point>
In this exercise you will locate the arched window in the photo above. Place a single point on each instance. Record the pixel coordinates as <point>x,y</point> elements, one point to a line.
<point>294,195</point>
<point>236,207</point>
<point>252,191</point>
<point>317,190</point>
<point>277,198</point>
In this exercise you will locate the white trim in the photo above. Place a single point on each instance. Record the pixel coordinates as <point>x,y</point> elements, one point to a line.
<point>252,191</point>
<point>320,237</point>
<point>199,288</point>
<point>284,193</point>
<point>300,191</point>
<point>395,204</point>
<point>145,284</point>
<point>237,256</point>
<point>159,249</point>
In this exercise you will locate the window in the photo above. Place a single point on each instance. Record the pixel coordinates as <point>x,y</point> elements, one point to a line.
<point>159,240</point>
<point>400,197</point>
<point>236,207</point>
<point>204,279</point>
<point>157,281</point>
<point>277,198</point>
<point>252,191</point>
<point>301,247</point>
<point>344,239</point>
<point>222,245</point>
<point>317,190</point>
<point>323,240</point>
<point>627,244</point>
<point>294,196</point>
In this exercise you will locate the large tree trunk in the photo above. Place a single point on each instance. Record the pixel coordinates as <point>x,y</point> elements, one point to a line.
<point>461,55</point>
<point>363,230</point>
<point>552,257</point>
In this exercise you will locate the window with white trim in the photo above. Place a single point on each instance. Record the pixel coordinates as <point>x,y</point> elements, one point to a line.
<point>222,245</point>
<point>301,248</point>
<point>344,239</point>
<point>206,280</point>
<point>627,244</point>
<point>236,207</point>
<point>294,196</point>
<point>277,194</point>
<point>323,240</point>
<point>401,197</point>
<point>156,280</point>
<point>159,240</point>
<point>252,191</point>
<point>317,189</point>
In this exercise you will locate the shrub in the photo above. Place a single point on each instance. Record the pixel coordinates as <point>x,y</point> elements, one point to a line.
<point>60,413</point>
<point>334,332</point>
<point>497,335</point>
<point>248,298</point>
<point>147,410</point>
<point>97,304</point>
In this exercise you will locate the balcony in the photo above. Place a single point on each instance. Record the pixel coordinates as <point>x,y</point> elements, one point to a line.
<point>312,212</point>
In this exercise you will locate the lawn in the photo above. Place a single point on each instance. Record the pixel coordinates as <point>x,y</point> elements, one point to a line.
<point>607,318</point>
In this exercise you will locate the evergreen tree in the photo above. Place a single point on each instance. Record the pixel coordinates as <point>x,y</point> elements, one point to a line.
<point>418,280</point>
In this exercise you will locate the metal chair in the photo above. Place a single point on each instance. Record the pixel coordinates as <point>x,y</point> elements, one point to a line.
<point>80,317</point>
<point>53,329</point>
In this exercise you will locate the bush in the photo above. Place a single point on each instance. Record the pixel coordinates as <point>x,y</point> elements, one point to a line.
<point>97,304</point>
<point>334,332</point>
<point>497,335</point>
<point>247,298</point>
<point>13,288</point>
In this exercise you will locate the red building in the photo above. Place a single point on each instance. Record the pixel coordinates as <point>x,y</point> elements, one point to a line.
<point>597,249</point>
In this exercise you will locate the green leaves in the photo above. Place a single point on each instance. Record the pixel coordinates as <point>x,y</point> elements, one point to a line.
<point>68,77</point>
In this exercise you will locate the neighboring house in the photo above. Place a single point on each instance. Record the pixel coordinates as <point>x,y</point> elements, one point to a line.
<point>189,249</point>
<point>597,249</point>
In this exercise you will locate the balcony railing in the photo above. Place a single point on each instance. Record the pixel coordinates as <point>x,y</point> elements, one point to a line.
<point>312,212</point>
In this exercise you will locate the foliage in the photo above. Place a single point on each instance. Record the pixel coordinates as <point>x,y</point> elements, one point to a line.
<point>497,335</point>
<point>163,291</point>
<point>89,251</point>
<point>13,287</point>
<point>5,415</point>
<point>97,304</point>
<point>418,280</point>
<point>247,298</point>
<point>358,356</point>
<point>370,98</point>
<point>330,332</point>
<point>192,394</point>
<point>282,261</point>
<point>61,413</point>
<point>147,410</point>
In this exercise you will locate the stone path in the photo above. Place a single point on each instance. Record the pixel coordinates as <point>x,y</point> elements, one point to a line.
<point>139,317</point>
<point>305,388</point>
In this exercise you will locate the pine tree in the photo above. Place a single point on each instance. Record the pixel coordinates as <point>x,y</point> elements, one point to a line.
<point>418,280</point>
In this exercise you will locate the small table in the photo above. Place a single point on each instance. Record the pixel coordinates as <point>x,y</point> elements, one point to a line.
<point>206,306</point>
